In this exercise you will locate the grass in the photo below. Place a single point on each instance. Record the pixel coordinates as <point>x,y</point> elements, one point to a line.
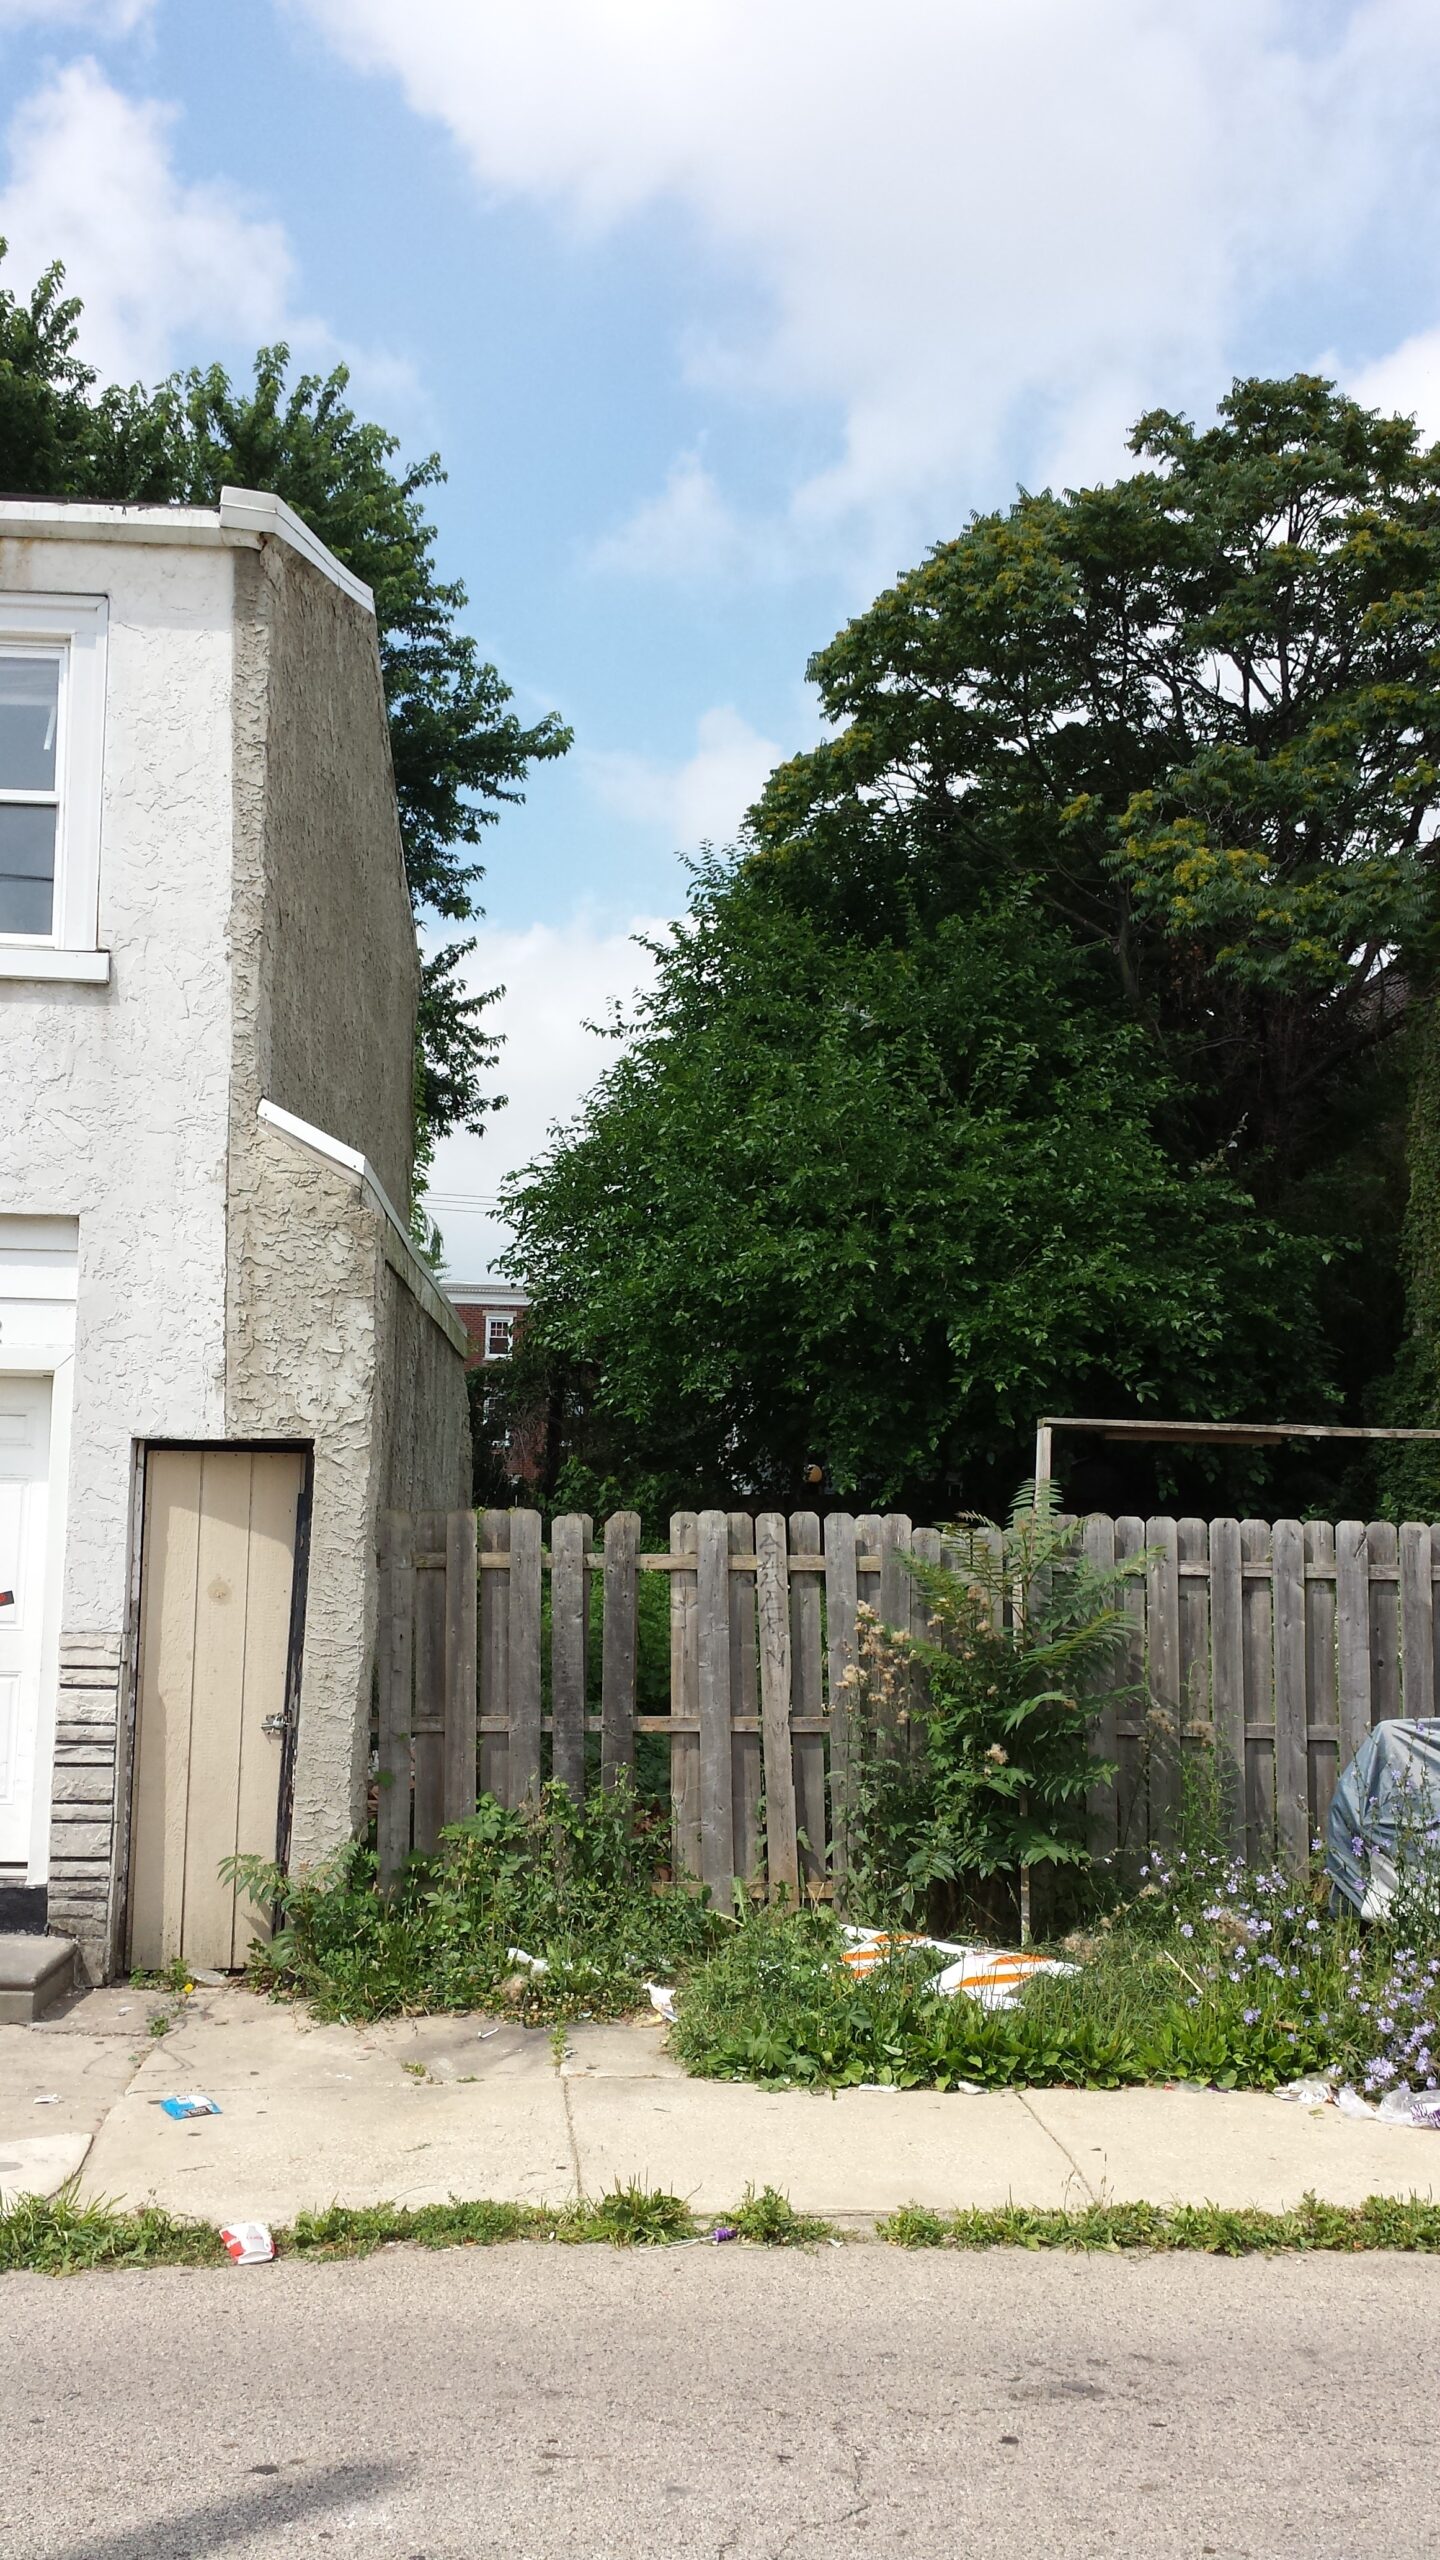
<point>60,2236</point>
<point>1382,2222</point>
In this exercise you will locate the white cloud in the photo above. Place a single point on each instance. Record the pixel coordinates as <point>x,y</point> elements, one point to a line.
<point>974,234</point>
<point>688,531</point>
<point>557,980</point>
<point>99,17</point>
<point>699,801</point>
<point>1406,383</point>
<point>151,255</point>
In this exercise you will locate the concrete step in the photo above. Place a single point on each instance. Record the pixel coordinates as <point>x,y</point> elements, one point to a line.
<point>34,1974</point>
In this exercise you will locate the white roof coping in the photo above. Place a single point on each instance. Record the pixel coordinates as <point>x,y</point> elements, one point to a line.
<point>244,519</point>
<point>420,1281</point>
<point>484,1293</point>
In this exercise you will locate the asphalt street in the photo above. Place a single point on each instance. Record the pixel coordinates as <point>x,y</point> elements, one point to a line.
<point>511,2404</point>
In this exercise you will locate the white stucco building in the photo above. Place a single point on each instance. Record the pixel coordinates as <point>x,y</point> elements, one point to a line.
<point>219,1355</point>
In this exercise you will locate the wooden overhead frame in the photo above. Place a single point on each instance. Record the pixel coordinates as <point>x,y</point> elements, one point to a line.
<point>1231,1434</point>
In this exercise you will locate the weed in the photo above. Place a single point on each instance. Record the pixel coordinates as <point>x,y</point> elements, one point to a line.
<point>160,2022</point>
<point>639,2217</point>
<point>559,2045</point>
<point>416,2070</point>
<point>771,2219</point>
<point>580,1885</point>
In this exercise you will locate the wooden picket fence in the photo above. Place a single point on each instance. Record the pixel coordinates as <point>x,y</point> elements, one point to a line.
<point>1280,1645</point>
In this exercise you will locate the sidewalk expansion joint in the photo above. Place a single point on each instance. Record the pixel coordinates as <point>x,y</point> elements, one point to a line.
<point>572,2137</point>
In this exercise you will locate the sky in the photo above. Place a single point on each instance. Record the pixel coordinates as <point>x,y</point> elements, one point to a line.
<point>719,312</point>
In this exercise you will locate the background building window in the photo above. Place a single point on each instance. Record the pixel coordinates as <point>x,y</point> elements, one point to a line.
<point>499,1337</point>
<point>30,705</point>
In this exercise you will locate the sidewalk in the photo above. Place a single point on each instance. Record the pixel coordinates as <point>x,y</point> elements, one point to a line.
<point>424,2109</point>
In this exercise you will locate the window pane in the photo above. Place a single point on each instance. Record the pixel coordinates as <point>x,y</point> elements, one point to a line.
<point>27,869</point>
<point>29,709</point>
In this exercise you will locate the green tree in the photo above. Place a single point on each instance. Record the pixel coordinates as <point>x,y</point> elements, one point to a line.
<point>1195,713</point>
<point>870,1207</point>
<point>1038,1049</point>
<point>460,752</point>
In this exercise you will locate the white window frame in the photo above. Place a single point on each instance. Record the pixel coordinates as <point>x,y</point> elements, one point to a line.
<point>76,629</point>
<point>494,1324</point>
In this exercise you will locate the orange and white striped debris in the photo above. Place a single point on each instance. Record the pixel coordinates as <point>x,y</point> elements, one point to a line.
<point>995,1976</point>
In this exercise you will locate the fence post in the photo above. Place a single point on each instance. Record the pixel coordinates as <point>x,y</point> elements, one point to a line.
<point>617,1683</point>
<point>525,1595</point>
<point>746,1763</point>
<point>1352,1634</point>
<point>397,1581</point>
<point>1382,1539</point>
<point>1162,1619</point>
<point>495,1657</point>
<point>1321,1713</point>
<point>461,1699</point>
<point>569,1649</point>
<point>807,1690</point>
<point>685,1799</point>
<point>428,1722</point>
<point>717,1809</point>
<point>1097,1545</point>
<point>1417,1621</point>
<point>841,1600</point>
<point>1227,1674</point>
<point>1259,1650</point>
<point>1292,1757</point>
<point>773,1600</point>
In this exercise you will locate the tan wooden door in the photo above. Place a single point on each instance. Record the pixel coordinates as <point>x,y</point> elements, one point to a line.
<point>217,1571</point>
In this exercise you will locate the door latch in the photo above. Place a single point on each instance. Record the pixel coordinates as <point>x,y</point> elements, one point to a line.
<point>273,1724</point>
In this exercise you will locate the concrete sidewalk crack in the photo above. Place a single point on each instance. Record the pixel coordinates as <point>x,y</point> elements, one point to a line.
<point>1063,2148</point>
<point>573,2138</point>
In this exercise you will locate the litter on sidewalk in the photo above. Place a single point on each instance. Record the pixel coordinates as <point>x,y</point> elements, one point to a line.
<point>248,2243</point>
<point>194,2105</point>
<point>1420,2108</point>
<point>995,1976</point>
<point>662,1999</point>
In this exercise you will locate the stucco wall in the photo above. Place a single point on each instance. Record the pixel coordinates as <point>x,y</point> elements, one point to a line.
<point>333,966</point>
<point>325,1341</point>
<point>113,1100</point>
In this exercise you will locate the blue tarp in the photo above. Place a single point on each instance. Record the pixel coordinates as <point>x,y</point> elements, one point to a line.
<point>1387,1799</point>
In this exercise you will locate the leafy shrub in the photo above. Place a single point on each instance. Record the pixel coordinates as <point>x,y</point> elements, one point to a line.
<point>971,1751</point>
<point>575,1885</point>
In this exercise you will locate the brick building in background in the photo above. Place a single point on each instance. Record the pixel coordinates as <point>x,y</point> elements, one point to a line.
<point>493,1314</point>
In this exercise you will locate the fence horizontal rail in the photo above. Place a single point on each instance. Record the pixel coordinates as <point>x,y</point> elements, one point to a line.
<point>503,1661</point>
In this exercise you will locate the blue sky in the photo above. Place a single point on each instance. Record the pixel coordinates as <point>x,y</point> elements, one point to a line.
<point>719,311</point>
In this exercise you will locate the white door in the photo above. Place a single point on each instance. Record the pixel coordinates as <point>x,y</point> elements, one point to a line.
<point>24,1488</point>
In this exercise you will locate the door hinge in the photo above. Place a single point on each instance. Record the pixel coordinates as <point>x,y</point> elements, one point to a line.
<point>274,1724</point>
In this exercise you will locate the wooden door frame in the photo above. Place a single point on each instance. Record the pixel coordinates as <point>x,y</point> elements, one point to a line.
<point>294,1656</point>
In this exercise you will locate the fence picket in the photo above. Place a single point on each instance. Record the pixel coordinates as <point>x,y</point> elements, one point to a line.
<point>1292,1776</point>
<point>1384,1546</point>
<point>1132,1803</point>
<point>428,1721</point>
<point>1417,1621</point>
<point>807,1698</point>
<point>618,1648</point>
<point>717,1776</point>
<point>1352,1634</point>
<point>840,1604</point>
<point>525,1611</point>
<point>1258,1653</point>
<point>495,1659</point>
<point>1320,1699</point>
<point>685,1815</point>
<point>1281,1643</point>
<point>1227,1677</point>
<point>747,1766</point>
<point>569,1649</point>
<point>1097,1545</point>
<point>397,1583</point>
<point>462,1704</point>
<point>772,1597</point>
<point>1162,1619</point>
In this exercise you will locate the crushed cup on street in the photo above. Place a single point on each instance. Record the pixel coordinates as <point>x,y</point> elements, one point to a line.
<point>248,2243</point>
